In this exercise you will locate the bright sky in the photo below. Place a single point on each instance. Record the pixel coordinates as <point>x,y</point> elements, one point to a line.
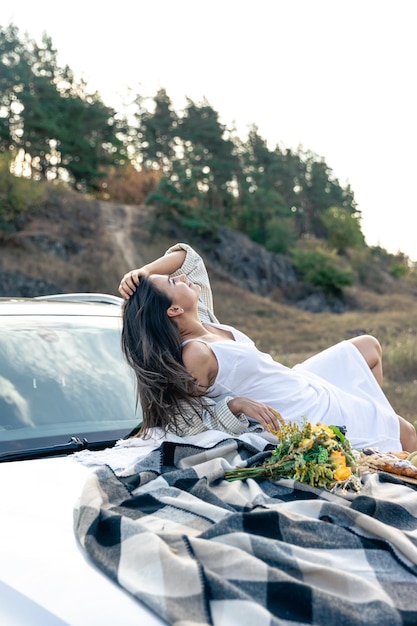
<point>334,76</point>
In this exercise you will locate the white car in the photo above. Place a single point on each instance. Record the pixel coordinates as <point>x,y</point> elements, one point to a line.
<point>64,386</point>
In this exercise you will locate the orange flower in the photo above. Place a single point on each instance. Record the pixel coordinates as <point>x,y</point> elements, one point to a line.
<point>342,473</point>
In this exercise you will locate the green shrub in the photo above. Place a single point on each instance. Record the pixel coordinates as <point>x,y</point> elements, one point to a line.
<point>281,235</point>
<point>321,268</point>
<point>17,195</point>
<point>343,229</point>
<point>399,270</point>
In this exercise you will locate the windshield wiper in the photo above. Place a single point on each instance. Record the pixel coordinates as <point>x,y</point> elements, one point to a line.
<point>75,444</point>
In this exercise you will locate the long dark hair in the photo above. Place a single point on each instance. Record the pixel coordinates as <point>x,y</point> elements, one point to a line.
<point>151,343</point>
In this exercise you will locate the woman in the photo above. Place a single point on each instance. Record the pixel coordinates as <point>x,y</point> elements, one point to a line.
<point>182,356</point>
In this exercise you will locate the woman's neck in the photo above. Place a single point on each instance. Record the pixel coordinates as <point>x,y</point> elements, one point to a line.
<point>191,327</point>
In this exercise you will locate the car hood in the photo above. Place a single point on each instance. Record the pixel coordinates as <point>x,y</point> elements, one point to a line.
<point>43,570</point>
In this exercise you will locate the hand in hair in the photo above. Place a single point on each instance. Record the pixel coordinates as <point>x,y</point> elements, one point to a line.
<point>166,264</point>
<point>130,281</point>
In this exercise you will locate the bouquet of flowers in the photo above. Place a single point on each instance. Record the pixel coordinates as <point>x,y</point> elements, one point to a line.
<point>318,455</point>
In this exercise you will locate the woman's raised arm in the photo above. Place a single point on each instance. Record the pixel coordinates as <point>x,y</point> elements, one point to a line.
<point>167,264</point>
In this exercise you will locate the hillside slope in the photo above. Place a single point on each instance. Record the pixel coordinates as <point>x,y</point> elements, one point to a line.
<point>79,244</point>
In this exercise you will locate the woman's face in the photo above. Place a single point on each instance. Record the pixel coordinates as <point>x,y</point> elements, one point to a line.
<point>179,289</point>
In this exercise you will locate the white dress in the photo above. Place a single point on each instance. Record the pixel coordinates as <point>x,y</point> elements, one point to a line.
<point>334,387</point>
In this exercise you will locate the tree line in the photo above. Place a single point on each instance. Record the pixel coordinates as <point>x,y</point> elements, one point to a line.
<point>192,168</point>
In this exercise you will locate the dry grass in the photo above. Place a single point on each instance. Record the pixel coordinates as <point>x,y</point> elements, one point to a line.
<point>289,334</point>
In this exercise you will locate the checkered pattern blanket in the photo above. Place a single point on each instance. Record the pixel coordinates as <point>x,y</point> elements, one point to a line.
<point>197,549</point>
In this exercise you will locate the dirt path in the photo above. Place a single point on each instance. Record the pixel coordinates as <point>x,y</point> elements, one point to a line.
<point>118,219</point>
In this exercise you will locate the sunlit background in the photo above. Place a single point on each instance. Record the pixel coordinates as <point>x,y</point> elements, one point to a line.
<point>336,77</point>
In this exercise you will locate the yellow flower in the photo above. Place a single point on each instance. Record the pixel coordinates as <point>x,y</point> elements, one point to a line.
<point>338,458</point>
<point>324,428</point>
<point>342,473</point>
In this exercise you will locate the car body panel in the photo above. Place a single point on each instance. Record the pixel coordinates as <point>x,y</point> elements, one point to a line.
<point>40,557</point>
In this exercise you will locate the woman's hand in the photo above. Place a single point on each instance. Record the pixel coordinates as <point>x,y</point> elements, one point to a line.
<point>262,413</point>
<point>166,264</point>
<point>130,281</point>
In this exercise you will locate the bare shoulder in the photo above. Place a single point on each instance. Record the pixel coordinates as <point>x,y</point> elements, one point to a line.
<point>195,353</point>
<point>200,361</point>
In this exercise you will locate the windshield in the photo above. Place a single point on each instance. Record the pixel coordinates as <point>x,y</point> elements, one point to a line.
<point>62,377</point>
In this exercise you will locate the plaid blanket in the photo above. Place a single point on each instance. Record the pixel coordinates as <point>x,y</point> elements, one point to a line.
<point>197,549</point>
